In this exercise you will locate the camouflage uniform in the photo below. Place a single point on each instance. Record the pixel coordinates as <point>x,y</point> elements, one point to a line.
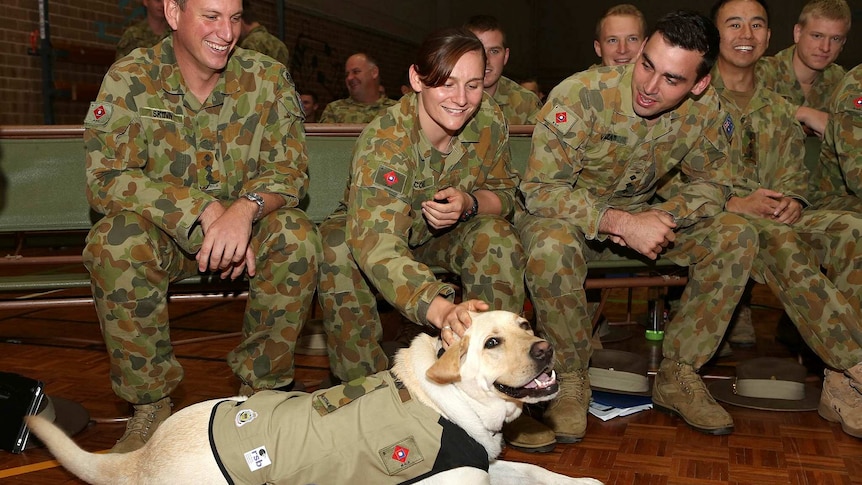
<point>776,73</point>
<point>840,183</point>
<point>591,152</point>
<point>379,239</point>
<point>260,40</point>
<point>156,157</point>
<point>520,105</point>
<point>767,146</point>
<point>138,35</point>
<point>348,110</point>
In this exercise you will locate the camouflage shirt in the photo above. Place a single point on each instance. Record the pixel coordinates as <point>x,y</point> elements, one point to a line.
<point>138,35</point>
<point>841,156</point>
<point>394,170</point>
<point>258,39</point>
<point>520,105</point>
<point>766,144</point>
<point>152,148</point>
<point>348,110</point>
<point>777,74</point>
<point>592,152</point>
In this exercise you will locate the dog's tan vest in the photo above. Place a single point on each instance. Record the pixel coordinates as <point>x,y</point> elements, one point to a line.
<point>367,431</point>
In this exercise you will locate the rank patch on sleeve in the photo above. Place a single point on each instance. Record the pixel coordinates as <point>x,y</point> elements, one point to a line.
<point>400,456</point>
<point>391,179</point>
<point>560,117</point>
<point>99,113</point>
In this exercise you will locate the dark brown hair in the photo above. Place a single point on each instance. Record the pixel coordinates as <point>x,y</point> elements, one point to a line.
<point>441,50</point>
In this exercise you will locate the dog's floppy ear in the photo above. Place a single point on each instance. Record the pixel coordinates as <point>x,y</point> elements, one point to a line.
<point>447,369</point>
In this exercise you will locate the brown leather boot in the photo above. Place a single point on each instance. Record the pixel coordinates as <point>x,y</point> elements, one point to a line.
<point>678,390</point>
<point>143,423</point>
<point>567,413</point>
<point>841,403</point>
<point>528,435</point>
<point>741,328</point>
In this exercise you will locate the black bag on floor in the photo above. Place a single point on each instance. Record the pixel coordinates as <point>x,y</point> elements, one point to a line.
<point>19,397</point>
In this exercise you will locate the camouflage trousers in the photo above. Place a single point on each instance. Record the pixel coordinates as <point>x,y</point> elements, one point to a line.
<point>719,253</point>
<point>131,263</point>
<point>349,304</point>
<point>824,307</point>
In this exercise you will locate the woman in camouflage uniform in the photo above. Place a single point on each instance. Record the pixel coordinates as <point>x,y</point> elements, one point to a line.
<point>430,185</point>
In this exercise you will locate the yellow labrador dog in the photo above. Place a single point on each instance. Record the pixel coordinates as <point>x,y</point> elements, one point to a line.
<point>434,419</point>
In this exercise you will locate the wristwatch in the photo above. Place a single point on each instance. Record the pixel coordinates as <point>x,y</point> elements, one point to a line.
<point>257,199</point>
<point>472,211</point>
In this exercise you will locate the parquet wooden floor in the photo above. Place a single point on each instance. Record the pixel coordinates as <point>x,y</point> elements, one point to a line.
<point>63,348</point>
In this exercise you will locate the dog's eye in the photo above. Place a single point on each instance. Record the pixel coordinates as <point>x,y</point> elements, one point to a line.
<point>492,342</point>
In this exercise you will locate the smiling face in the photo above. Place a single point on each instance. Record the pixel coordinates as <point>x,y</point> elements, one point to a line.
<point>360,76</point>
<point>819,41</point>
<point>497,56</point>
<point>445,109</point>
<point>664,75</point>
<point>205,34</point>
<point>620,38</point>
<point>744,32</point>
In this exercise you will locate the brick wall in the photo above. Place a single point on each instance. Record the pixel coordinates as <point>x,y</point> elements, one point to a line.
<point>318,48</point>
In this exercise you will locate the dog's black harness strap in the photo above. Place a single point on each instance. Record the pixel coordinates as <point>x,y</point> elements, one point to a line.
<point>457,449</point>
<point>213,445</point>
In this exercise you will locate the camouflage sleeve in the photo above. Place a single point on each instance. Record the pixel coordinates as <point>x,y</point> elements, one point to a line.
<point>117,154</point>
<point>534,105</point>
<point>283,157</point>
<point>555,162</point>
<point>502,179</point>
<point>789,174</point>
<point>379,220</point>
<point>706,176</point>
<point>846,128</point>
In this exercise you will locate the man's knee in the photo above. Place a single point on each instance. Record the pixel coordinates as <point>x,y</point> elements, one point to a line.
<point>122,238</point>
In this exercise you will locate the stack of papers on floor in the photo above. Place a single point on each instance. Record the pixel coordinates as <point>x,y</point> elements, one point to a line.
<point>608,405</point>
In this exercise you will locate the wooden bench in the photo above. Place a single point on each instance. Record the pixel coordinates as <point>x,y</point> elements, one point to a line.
<point>42,192</point>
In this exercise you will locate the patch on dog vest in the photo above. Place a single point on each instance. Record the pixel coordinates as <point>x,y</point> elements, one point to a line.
<point>400,456</point>
<point>339,396</point>
<point>257,458</point>
<point>245,416</point>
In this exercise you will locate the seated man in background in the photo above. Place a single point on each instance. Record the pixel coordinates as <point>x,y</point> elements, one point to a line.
<point>191,178</point>
<point>147,32</point>
<point>255,37</point>
<point>619,35</point>
<point>362,77</point>
<point>519,105</point>
<point>769,186</point>
<point>601,144</point>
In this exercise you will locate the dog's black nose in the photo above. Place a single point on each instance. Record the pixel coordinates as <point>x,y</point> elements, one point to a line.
<point>542,351</point>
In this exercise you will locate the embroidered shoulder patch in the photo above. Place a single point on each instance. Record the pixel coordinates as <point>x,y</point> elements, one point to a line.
<point>99,113</point>
<point>390,178</point>
<point>560,117</point>
<point>400,456</point>
<point>857,103</point>
<point>727,127</point>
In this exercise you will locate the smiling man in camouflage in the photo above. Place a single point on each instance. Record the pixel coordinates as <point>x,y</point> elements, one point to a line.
<point>602,142</point>
<point>195,154</point>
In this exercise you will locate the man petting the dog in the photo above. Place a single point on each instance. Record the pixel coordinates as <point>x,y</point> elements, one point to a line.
<point>195,154</point>
<point>602,142</point>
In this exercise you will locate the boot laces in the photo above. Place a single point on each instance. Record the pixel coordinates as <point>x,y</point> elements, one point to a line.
<point>573,385</point>
<point>688,379</point>
<point>142,420</point>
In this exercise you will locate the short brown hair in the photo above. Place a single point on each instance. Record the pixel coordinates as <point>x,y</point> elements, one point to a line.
<point>829,9</point>
<point>622,9</point>
<point>485,23</point>
<point>441,50</point>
